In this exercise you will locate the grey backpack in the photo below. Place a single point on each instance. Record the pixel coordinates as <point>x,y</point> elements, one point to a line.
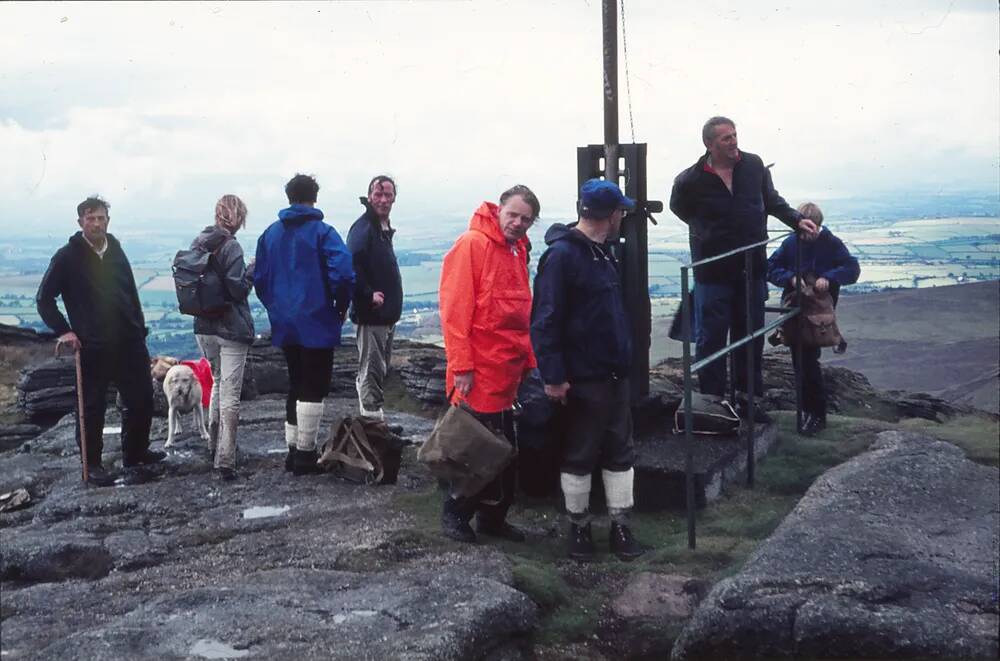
<point>200,291</point>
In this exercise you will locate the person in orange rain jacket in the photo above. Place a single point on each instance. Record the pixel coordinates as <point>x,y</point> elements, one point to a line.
<point>485,304</point>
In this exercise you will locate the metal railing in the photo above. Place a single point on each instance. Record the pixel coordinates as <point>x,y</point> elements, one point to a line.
<point>786,313</point>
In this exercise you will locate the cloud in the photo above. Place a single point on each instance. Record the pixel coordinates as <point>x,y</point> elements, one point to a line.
<point>164,107</point>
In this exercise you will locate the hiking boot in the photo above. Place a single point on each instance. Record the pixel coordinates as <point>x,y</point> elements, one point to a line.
<point>144,459</point>
<point>227,474</point>
<point>760,416</point>
<point>304,463</point>
<point>290,459</point>
<point>623,544</point>
<point>455,522</point>
<point>503,530</point>
<point>813,424</point>
<point>98,477</point>
<point>581,543</point>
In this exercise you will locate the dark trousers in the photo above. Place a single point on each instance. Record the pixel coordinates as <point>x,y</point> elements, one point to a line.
<point>309,374</point>
<point>598,428</point>
<point>720,310</point>
<point>813,389</point>
<point>126,366</point>
<point>493,502</point>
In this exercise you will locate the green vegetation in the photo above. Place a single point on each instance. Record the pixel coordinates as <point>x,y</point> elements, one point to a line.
<point>978,435</point>
<point>573,597</point>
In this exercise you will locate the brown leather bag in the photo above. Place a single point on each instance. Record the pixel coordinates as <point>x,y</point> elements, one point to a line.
<point>464,451</point>
<point>818,321</point>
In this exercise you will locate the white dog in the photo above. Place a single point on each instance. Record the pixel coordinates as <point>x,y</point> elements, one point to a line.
<point>183,391</point>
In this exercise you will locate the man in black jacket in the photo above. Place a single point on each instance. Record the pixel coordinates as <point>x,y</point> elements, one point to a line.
<point>725,199</point>
<point>581,338</point>
<point>106,326</point>
<point>378,292</point>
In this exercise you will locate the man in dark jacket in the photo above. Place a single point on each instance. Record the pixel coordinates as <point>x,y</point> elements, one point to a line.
<point>95,281</point>
<point>378,292</point>
<point>580,335</point>
<point>725,199</point>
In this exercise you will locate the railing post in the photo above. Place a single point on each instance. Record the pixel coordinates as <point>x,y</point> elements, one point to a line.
<point>686,313</point>
<point>748,272</point>
<point>797,348</point>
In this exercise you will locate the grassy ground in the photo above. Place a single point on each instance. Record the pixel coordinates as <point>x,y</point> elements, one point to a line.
<point>574,597</point>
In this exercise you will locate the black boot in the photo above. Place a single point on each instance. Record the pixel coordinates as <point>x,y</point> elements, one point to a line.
<point>760,416</point>
<point>97,476</point>
<point>304,463</point>
<point>290,459</point>
<point>145,458</point>
<point>503,530</point>
<point>581,543</point>
<point>623,544</point>
<point>455,517</point>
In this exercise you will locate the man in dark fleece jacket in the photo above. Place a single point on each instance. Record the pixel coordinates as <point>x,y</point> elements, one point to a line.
<point>106,326</point>
<point>580,335</point>
<point>378,292</point>
<point>725,199</point>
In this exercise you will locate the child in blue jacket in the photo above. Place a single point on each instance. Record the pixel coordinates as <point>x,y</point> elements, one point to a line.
<point>828,259</point>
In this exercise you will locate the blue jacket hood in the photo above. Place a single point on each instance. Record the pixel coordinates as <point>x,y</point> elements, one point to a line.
<point>299,213</point>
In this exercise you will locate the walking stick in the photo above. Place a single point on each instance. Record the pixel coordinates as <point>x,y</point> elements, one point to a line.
<point>79,408</point>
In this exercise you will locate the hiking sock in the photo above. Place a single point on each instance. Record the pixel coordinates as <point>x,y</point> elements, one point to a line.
<point>576,491</point>
<point>618,492</point>
<point>291,435</point>
<point>309,415</point>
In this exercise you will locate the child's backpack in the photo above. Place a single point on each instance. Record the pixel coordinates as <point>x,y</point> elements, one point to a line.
<point>362,449</point>
<point>200,291</point>
<point>818,324</point>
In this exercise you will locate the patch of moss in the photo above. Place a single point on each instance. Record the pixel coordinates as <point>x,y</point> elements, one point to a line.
<point>978,435</point>
<point>574,622</point>
<point>542,582</point>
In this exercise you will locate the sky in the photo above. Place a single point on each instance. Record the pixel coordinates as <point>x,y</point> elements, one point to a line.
<point>162,108</point>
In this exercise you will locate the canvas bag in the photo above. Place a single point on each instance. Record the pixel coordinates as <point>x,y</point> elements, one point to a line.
<point>464,451</point>
<point>709,415</point>
<point>199,287</point>
<point>362,449</point>
<point>819,321</point>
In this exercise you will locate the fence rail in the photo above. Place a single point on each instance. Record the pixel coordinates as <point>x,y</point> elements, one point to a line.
<point>747,341</point>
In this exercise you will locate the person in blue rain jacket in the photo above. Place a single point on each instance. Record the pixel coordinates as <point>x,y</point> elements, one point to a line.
<point>304,278</point>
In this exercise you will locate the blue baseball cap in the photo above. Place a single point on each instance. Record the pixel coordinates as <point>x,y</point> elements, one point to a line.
<point>603,197</point>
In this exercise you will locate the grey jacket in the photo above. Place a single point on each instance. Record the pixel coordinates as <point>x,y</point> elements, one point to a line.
<point>236,324</point>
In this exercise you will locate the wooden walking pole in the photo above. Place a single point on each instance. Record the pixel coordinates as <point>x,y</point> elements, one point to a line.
<point>79,409</point>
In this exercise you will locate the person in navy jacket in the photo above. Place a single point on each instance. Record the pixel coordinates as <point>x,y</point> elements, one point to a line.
<point>828,260</point>
<point>583,345</point>
<point>304,278</point>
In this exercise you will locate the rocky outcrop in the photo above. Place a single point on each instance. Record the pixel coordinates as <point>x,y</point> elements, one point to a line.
<point>890,555</point>
<point>173,563</point>
<point>848,392</point>
<point>47,390</point>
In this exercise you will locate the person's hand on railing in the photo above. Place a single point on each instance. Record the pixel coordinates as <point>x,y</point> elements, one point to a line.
<point>822,284</point>
<point>808,229</point>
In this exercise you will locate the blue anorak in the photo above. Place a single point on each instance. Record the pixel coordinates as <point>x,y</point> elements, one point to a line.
<point>304,278</point>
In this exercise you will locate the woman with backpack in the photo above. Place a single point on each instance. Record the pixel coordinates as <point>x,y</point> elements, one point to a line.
<point>826,266</point>
<point>225,337</point>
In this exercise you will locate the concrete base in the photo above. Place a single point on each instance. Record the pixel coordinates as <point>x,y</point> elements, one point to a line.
<point>718,462</point>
